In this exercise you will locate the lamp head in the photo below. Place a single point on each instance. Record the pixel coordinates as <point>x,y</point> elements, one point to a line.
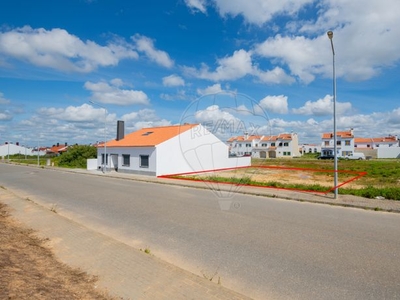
<point>330,34</point>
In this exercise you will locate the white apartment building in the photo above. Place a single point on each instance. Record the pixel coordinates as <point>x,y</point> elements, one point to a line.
<point>262,146</point>
<point>347,144</point>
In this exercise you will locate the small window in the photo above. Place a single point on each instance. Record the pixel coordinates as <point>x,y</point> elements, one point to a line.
<point>126,160</point>
<point>338,143</point>
<point>272,144</point>
<point>285,144</point>
<point>147,133</point>
<point>144,161</point>
<point>347,143</point>
<point>102,159</point>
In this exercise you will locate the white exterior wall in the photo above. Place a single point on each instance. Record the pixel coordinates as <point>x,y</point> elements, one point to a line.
<point>11,149</point>
<point>389,152</point>
<point>134,152</point>
<point>195,150</point>
<point>340,148</point>
<point>91,164</point>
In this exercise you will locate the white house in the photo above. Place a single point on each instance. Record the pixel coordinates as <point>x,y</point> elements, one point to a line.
<point>381,147</point>
<point>168,150</point>
<point>11,149</point>
<point>344,143</point>
<point>260,146</point>
<point>310,148</point>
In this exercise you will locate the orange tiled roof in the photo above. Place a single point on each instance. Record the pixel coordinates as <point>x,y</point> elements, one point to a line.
<point>342,134</point>
<point>57,149</point>
<point>150,137</point>
<point>376,140</point>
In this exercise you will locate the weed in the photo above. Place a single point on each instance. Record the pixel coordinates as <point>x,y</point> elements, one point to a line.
<point>211,277</point>
<point>53,208</point>
<point>2,187</point>
<point>146,250</point>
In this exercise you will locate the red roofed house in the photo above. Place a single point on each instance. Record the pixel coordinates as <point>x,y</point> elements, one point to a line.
<point>344,143</point>
<point>261,146</point>
<point>57,149</point>
<point>347,144</point>
<point>167,150</point>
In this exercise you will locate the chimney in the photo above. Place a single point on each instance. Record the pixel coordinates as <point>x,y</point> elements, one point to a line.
<point>58,144</point>
<point>66,144</point>
<point>120,130</point>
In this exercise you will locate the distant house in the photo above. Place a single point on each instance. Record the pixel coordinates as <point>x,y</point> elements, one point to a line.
<point>347,144</point>
<point>11,149</point>
<point>167,150</point>
<point>57,149</point>
<point>344,143</point>
<point>309,148</point>
<point>262,146</point>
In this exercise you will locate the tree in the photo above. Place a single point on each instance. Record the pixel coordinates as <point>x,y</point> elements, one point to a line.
<point>76,156</point>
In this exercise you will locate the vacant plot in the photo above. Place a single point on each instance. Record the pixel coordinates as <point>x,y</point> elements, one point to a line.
<point>370,179</point>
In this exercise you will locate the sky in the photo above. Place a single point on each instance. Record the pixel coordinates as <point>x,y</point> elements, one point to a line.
<point>69,70</point>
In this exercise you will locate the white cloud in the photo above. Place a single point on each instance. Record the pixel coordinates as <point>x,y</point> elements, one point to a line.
<point>83,113</point>
<point>180,95</point>
<point>259,11</point>
<point>114,94</point>
<point>275,76</point>
<point>230,68</point>
<point>323,107</point>
<point>360,29</point>
<point>3,100</point>
<point>394,116</point>
<point>143,118</point>
<point>275,104</point>
<point>146,45</point>
<point>197,5</point>
<point>173,80</point>
<point>214,89</point>
<point>57,49</point>
<point>213,113</point>
<point>5,116</point>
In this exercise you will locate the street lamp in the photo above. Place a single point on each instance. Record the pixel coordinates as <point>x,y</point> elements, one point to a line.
<point>330,36</point>
<point>105,134</point>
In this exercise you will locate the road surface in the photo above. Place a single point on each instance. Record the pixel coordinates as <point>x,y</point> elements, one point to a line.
<point>261,247</point>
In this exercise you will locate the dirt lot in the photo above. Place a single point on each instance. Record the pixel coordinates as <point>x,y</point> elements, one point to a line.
<point>281,175</point>
<point>29,270</point>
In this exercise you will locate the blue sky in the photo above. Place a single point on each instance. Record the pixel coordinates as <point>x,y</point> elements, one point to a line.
<point>263,65</point>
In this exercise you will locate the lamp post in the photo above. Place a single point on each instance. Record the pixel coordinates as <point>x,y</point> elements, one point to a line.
<point>330,36</point>
<point>105,134</point>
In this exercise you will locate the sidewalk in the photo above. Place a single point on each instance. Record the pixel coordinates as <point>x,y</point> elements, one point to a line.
<point>123,271</point>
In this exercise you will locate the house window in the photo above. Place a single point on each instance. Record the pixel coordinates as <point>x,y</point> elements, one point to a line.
<point>347,143</point>
<point>280,144</point>
<point>126,159</point>
<point>102,159</point>
<point>144,161</point>
<point>338,143</point>
<point>326,143</point>
<point>285,144</point>
<point>248,145</point>
<point>286,153</point>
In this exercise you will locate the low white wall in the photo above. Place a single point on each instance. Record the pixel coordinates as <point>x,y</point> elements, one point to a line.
<point>91,164</point>
<point>389,152</point>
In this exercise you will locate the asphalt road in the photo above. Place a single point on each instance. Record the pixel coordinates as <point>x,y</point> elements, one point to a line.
<point>264,248</point>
